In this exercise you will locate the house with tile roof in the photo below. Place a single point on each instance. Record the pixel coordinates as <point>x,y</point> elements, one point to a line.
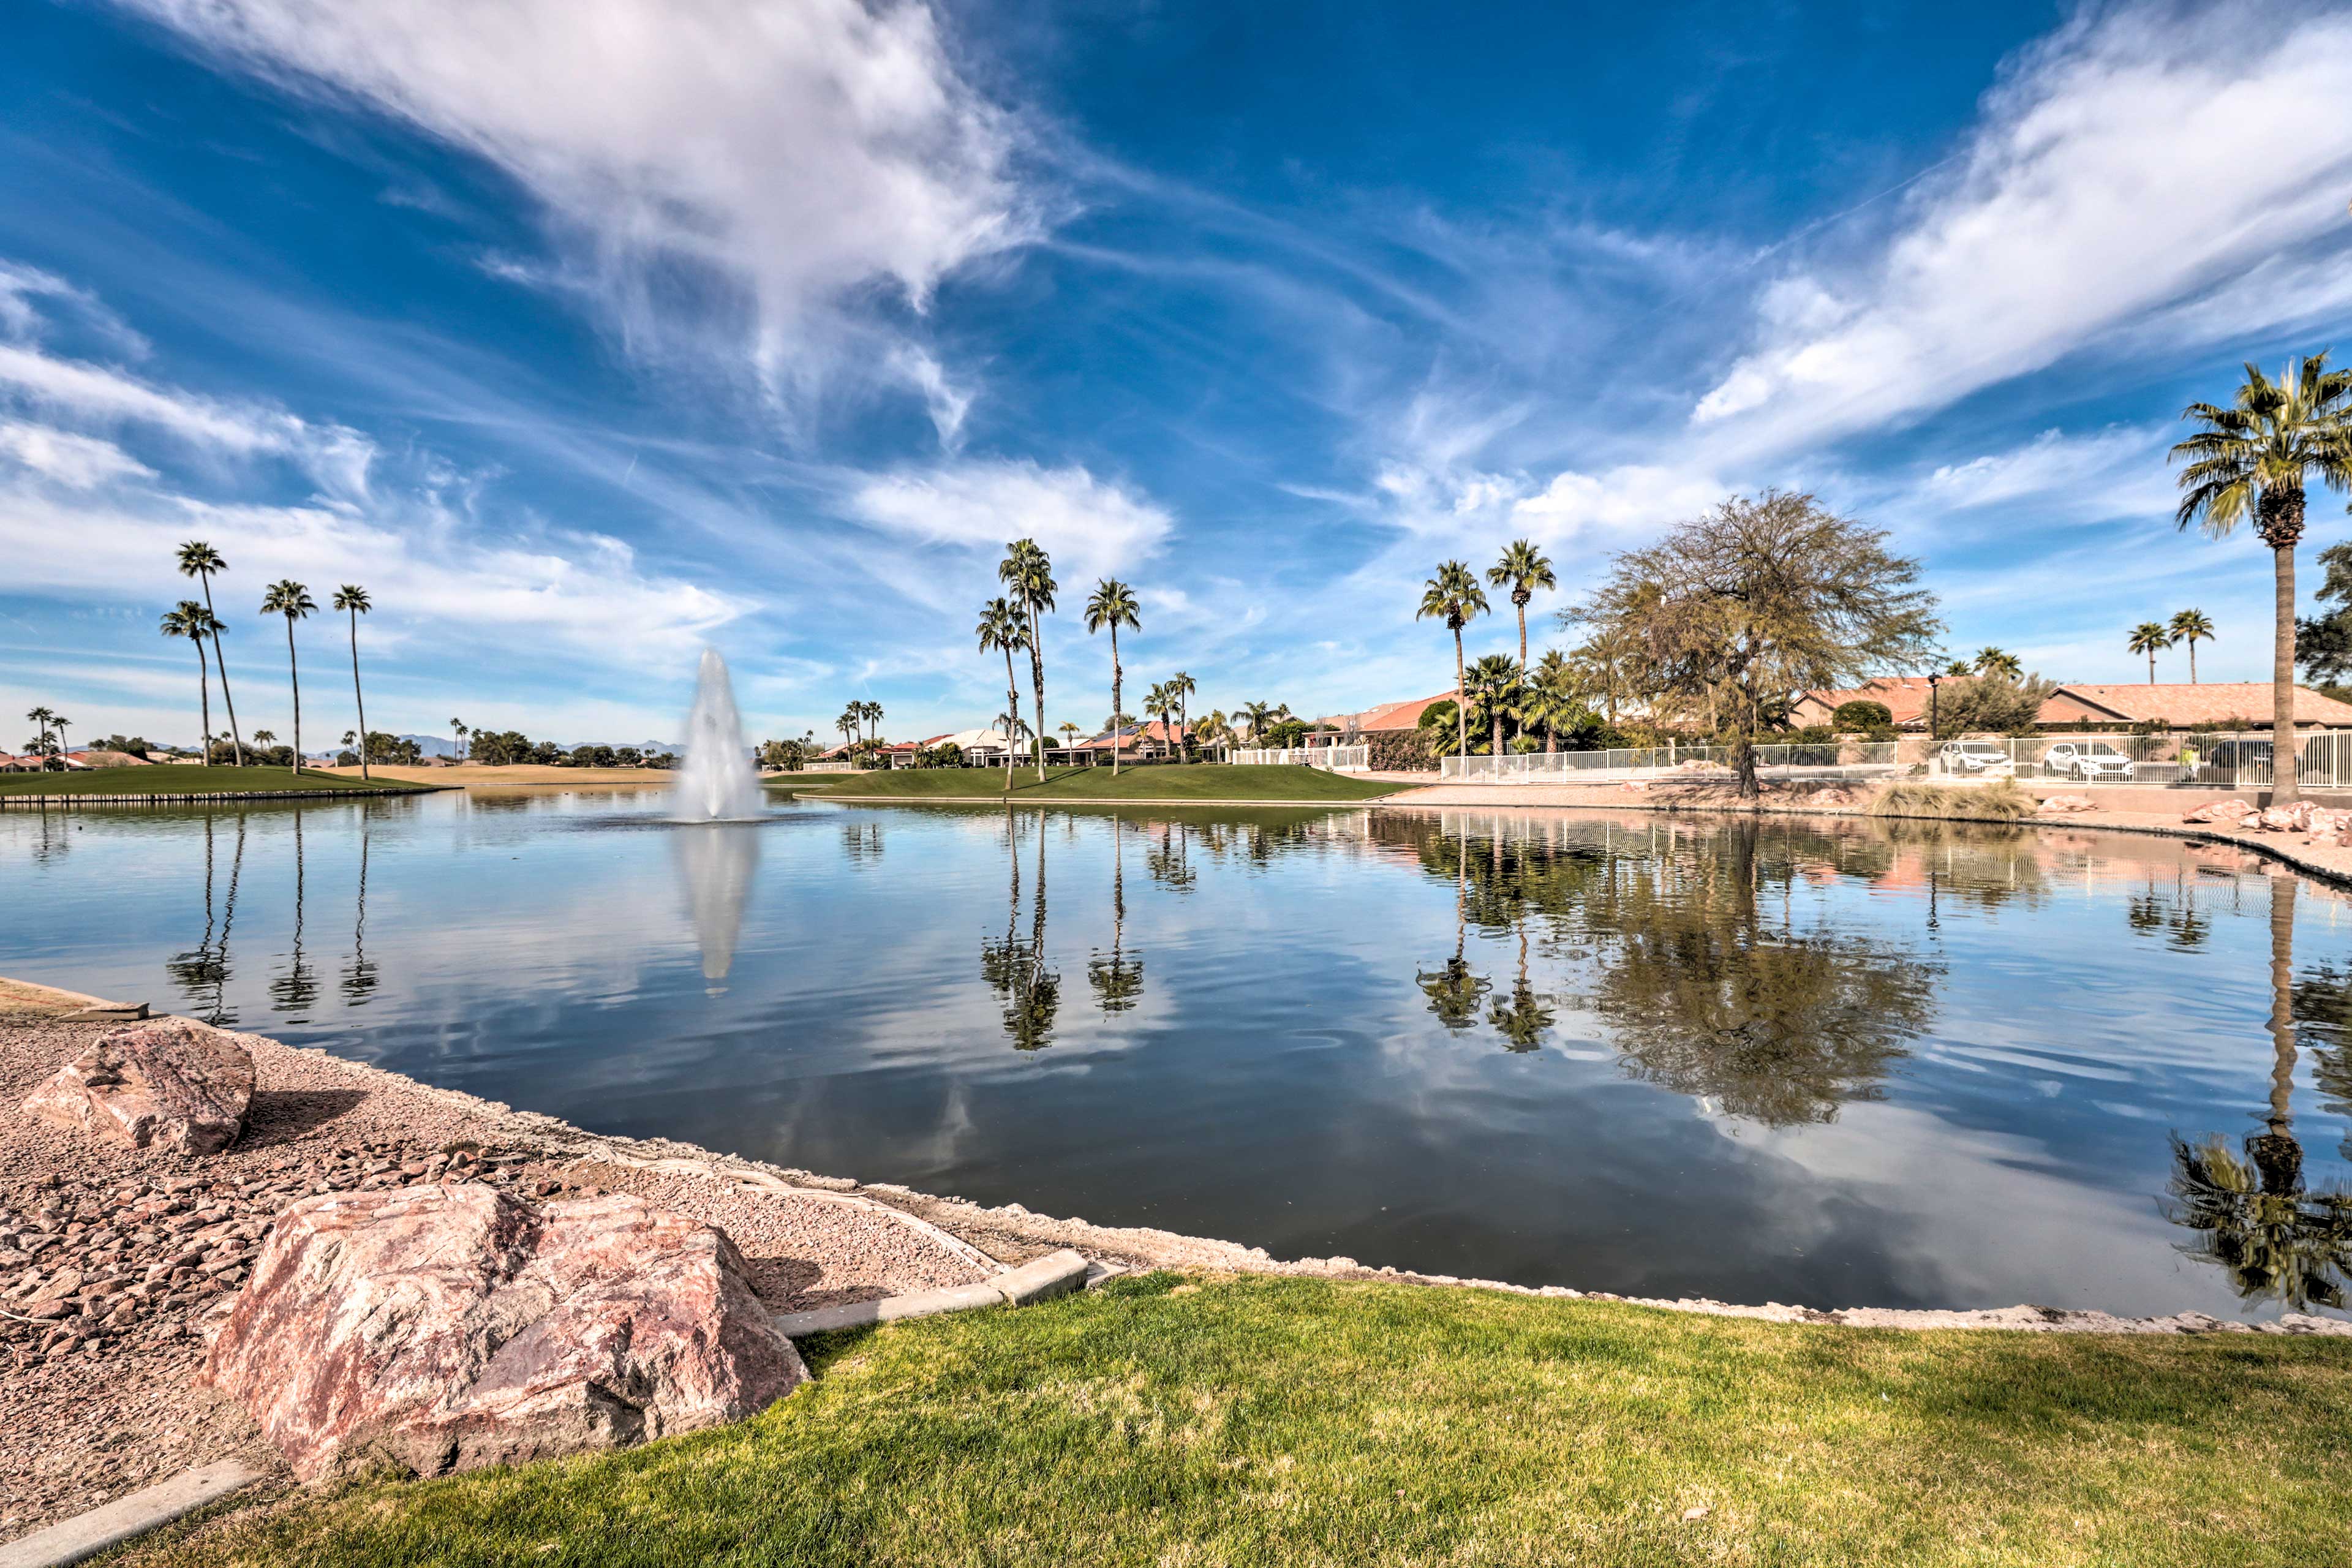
<point>2180,705</point>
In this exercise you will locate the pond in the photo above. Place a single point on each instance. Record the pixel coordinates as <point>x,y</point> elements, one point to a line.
<point>1834,1063</point>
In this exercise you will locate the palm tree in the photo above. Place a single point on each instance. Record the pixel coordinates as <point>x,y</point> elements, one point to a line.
<point>1494,686</point>
<point>457,733</point>
<point>2191,627</point>
<point>1067,730</point>
<point>1554,694</point>
<point>292,599</point>
<point>1997,662</point>
<point>1112,605</point>
<point>870,712</point>
<point>59,721</point>
<point>1158,704</point>
<point>353,600</point>
<point>1453,596</point>
<point>1003,628</point>
<point>1181,687</point>
<point>1029,572</point>
<point>1526,568</point>
<point>200,561</point>
<point>1259,714</point>
<point>2151,638</point>
<point>2254,458</point>
<point>191,620</point>
<point>43,717</point>
<point>265,737</point>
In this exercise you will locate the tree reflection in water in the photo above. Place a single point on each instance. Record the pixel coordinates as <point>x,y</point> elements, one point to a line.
<point>1703,991</point>
<point>1016,970</point>
<point>203,972</point>
<point>1710,995</point>
<point>294,990</point>
<point>1118,978</point>
<point>2253,1217</point>
<point>360,977</point>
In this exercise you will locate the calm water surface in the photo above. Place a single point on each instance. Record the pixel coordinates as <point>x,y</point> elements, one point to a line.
<point>1839,1065</point>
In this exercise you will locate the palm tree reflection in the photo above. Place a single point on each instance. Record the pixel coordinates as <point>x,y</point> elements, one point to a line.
<point>2253,1217</point>
<point>1118,980</point>
<point>1454,992</point>
<point>360,978</point>
<point>1016,970</point>
<point>298,987</point>
<point>203,972</point>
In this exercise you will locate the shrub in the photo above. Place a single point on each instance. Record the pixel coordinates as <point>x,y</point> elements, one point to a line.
<point>2002,801</point>
<point>1862,714</point>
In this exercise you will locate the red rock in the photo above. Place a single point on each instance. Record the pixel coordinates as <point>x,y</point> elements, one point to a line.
<point>170,1081</point>
<point>2055,803</point>
<point>2225,811</point>
<point>449,1327</point>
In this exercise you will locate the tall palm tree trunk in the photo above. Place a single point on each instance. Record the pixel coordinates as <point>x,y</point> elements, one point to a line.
<point>1012,712</point>
<point>2192,661</point>
<point>2284,790</point>
<point>1461,706</point>
<point>294,671</point>
<point>235,736</point>
<point>355,692</point>
<point>1498,717</point>
<point>1037,680</point>
<point>1115,708</point>
<point>2151,667</point>
<point>1520,723</point>
<point>205,696</point>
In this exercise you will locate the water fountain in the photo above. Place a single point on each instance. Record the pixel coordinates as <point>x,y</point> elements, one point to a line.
<point>716,783</point>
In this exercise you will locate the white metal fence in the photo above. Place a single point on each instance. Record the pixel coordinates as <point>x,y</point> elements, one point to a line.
<point>2236,760</point>
<point>838,766</point>
<point>1829,759</point>
<point>1333,759</point>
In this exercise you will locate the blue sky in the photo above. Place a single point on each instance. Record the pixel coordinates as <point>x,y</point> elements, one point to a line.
<point>584,333</point>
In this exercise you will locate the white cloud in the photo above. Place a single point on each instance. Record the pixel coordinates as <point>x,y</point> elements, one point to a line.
<point>79,462</point>
<point>801,152</point>
<point>94,392</point>
<point>1633,496</point>
<point>2137,161</point>
<point>1090,527</point>
<point>583,593</point>
<point>2116,472</point>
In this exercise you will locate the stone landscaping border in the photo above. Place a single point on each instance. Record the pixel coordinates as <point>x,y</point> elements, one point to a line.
<point>87,1535</point>
<point>1039,1279</point>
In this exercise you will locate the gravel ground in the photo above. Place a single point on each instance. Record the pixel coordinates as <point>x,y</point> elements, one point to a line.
<point>115,1264</point>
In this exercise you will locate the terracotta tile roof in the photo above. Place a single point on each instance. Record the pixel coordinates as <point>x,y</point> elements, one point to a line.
<point>1904,696</point>
<point>2179,703</point>
<point>1391,715</point>
<point>1158,733</point>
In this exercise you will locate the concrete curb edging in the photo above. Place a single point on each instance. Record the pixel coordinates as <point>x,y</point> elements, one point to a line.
<point>1039,1280</point>
<point>87,1535</point>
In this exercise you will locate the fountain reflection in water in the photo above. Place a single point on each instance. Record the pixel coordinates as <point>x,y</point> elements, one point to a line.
<point>716,783</point>
<point>716,865</point>
<point>716,787</point>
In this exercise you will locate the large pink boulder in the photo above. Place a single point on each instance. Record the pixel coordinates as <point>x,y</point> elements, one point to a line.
<point>171,1081</point>
<point>448,1327</point>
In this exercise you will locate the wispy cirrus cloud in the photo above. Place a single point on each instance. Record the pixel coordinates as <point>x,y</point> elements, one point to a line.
<point>2134,162</point>
<point>771,177</point>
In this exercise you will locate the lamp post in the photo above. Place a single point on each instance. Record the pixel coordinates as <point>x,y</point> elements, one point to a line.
<point>1934,680</point>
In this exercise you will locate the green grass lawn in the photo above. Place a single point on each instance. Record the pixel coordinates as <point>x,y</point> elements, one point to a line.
<point>1266,1421</point>
<point>1201,781</point>
<point>163,780</point>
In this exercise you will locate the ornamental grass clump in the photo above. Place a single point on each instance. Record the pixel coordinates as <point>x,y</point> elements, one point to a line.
<point>2000,802</point>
